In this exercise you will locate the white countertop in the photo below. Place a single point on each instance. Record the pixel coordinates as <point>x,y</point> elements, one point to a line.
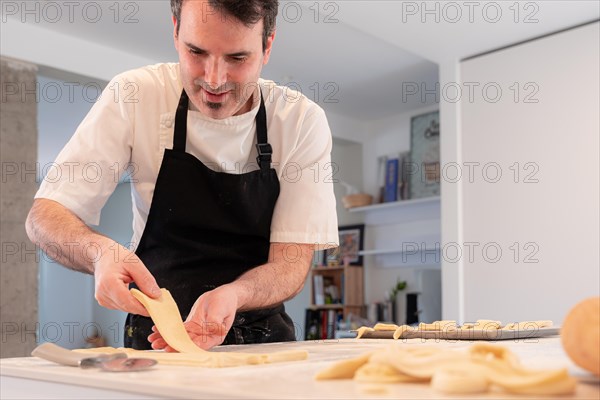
<point>35,378</point>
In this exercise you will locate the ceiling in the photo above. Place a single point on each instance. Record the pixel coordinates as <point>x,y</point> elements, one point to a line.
<point>352,57</point>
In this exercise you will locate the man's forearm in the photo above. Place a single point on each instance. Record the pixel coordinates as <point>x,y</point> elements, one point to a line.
<point>65,237</point>
<point>276,281</point>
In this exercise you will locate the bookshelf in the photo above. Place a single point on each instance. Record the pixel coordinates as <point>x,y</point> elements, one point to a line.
<point>335,293</point>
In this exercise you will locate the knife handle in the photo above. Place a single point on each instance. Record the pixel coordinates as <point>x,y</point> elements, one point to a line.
<point>57,354</point>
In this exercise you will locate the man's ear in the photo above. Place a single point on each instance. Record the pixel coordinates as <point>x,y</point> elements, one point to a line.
<point>174,30</point>
<point>268,47</point>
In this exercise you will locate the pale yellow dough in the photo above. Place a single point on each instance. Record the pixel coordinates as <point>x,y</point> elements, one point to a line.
<point>385,327</point>
<point>482,324</point>
<point>361,331</point>
<point>528,325</point>
<point>453,371</point>
<point>166,317</point>
<point>400,330</point>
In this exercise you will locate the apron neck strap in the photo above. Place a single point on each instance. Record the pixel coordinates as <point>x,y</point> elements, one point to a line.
<point>180,133</point>
<point>263,148</point>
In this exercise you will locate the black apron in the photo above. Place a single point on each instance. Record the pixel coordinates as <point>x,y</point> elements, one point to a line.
<point>205,229</point>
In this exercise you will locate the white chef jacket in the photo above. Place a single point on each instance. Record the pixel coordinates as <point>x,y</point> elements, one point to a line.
<point>132,123</point>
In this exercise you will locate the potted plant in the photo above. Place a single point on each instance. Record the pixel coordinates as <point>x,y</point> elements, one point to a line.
<point>399,302</point>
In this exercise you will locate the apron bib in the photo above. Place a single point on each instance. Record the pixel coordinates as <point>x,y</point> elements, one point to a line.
<point>205,229</point>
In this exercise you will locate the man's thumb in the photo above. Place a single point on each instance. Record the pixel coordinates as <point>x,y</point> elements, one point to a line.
<point>145,281</point>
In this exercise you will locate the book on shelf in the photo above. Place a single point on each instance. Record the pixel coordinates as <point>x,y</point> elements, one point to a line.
<point>381,168</point>
<point>391,180</point>
<point>331,324</point>
<point>321,324</point>
<point>319,290</point>
<point>342,288</point>
<point>311,325</point>
<point>404,172</point>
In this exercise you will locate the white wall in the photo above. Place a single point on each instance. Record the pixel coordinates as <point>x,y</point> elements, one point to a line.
<point>451,199</point>
<point>73,55</point>
<point>68,311</point>
<point>549,211</point>
<point>65,296</point>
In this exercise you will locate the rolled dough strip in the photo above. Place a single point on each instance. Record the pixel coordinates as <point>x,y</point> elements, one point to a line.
<point>482,324</point>
<point>400,330</point>
<point>361,331</point>
<point>528,325</point>
<point>385,327</point>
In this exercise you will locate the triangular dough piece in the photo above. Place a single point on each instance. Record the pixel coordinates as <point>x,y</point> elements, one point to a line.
<point>165,315</point>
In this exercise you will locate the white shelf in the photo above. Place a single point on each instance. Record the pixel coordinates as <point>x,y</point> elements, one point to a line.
<point>403,233</point>
<point>336,306</point>
<point>397,204</point>
<point>375,252</point>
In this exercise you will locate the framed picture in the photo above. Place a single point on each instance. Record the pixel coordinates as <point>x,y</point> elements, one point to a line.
<point>425,155</point>
<point>351,242</point>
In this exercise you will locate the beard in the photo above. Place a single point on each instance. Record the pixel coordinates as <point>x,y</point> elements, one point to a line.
<point>213,106</point>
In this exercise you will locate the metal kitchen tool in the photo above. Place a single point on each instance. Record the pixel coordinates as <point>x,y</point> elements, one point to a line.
<point>127,364</point>
<point>116,362</point>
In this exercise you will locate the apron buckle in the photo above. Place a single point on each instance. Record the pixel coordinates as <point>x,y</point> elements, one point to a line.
<point>264,154</point>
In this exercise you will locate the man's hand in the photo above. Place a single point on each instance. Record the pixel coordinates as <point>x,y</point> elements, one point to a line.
<point>55,228</point>
<point>114,270</point>
<point>209,320</point>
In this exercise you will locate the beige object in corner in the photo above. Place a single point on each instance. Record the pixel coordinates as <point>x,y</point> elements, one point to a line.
<point>580,334</point>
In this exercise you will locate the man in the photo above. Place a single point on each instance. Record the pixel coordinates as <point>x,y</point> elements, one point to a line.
<point>230,237</point>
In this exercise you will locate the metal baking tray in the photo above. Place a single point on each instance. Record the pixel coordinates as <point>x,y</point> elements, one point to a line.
<point>471,334</point>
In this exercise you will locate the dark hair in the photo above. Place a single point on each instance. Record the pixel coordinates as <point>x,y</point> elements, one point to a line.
<point>249,12</point>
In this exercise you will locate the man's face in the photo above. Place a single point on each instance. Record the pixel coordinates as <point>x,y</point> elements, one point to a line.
<point>220,59</point>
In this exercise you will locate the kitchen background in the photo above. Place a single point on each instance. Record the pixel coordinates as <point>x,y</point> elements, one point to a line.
<point>515,83</point>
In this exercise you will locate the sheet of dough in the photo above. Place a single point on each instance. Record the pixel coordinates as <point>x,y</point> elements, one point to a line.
<point>165,315</point>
